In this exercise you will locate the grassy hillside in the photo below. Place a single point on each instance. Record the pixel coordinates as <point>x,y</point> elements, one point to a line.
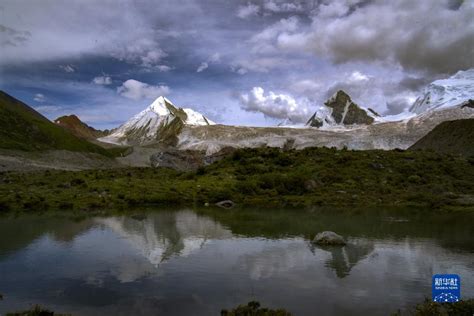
<point>264,177</point>
<point>22,128</point>
<point>454,137</point>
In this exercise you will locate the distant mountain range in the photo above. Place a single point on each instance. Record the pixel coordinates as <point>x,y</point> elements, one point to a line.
<point>339,123</point>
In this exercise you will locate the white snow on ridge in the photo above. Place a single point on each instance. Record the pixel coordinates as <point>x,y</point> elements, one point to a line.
<point>196,118</point>
<point>145,125</point>
<point>445,93</point>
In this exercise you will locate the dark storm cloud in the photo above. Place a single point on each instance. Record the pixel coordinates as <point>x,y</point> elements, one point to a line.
<point>12,37</point>
<point>435,36</point>
<point>203,52</point>
<point>413,83</point>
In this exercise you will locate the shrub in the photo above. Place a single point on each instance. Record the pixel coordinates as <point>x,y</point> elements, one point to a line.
<point>77,181</point>
<point>414,179</point>
<point>220,195</point>
<point>253,309</point>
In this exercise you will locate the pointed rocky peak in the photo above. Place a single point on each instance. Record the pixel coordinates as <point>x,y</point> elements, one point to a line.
<point>340,97</point>
<point>346,112</point>
<point>340,110</point>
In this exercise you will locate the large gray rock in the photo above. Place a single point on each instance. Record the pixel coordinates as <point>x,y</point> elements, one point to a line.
<point>328,238</point>
<point>186,160</point>
<point>182,160</point>
<point>221,154</point>
<point>226,204</point>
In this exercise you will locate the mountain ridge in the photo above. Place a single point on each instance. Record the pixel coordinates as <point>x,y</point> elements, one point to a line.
<point>25,129</point>
<point>80,129</point>
<point>445,93</point>
<point>160,122</point>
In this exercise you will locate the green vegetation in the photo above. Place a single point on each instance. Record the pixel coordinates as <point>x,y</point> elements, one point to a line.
<point>25,129</point>
<point>265,177</point>
<point>253,309</point>
<point>36,311</point>
<point>430,308</point>
<point>455,137</point>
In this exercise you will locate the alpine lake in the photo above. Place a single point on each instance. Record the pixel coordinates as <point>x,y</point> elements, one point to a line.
<point>200,261</point>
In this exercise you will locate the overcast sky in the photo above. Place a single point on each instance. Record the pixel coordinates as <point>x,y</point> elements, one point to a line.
<point>238,62</point>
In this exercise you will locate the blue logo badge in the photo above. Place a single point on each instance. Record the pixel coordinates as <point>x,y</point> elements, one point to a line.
<point>446,288</point>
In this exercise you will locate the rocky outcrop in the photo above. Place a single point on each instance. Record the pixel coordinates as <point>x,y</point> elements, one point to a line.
<point>187,160</point>
<point>314,121</point>
<point>221,154</point>
<point>346,112</point>
<point>80,129</point>
<point>468,104</point>
<point>328,238</point>
<point>182,160</point>
<point>227,204</point>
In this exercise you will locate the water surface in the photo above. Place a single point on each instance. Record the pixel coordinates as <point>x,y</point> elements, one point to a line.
<point>189,262</point>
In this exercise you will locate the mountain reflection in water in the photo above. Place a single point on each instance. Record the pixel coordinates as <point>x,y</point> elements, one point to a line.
<point>197,262</point>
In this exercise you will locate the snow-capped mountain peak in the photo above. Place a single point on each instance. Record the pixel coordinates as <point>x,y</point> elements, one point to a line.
<point>446,93</point>
<point>159,106</point>
<point>161,121</point>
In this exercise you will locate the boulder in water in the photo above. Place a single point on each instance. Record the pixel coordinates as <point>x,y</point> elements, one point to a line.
<point>328,238</point>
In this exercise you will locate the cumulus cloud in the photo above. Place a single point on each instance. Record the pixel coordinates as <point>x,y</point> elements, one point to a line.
<point>215,58</point>
<point>283,6</point>
<point>248,10</point>
<point>136,90</point>
<point>163,68</point>
<point>440,42</point>
<point>39,98</point>
<point>102,80</point>
<point>357,76</point>
<point>143,51</point>
<point>266,40</point>
<point>67,68</point>
<point>358,30</point>
<point>203,66</point>
<point>273,105</point>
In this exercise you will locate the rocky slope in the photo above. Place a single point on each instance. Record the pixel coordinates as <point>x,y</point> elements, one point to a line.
<point>160,123</point>
<point>73,124</point>
<point>385,135</point>
<point>341,111</point>
<point>454,137</point>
